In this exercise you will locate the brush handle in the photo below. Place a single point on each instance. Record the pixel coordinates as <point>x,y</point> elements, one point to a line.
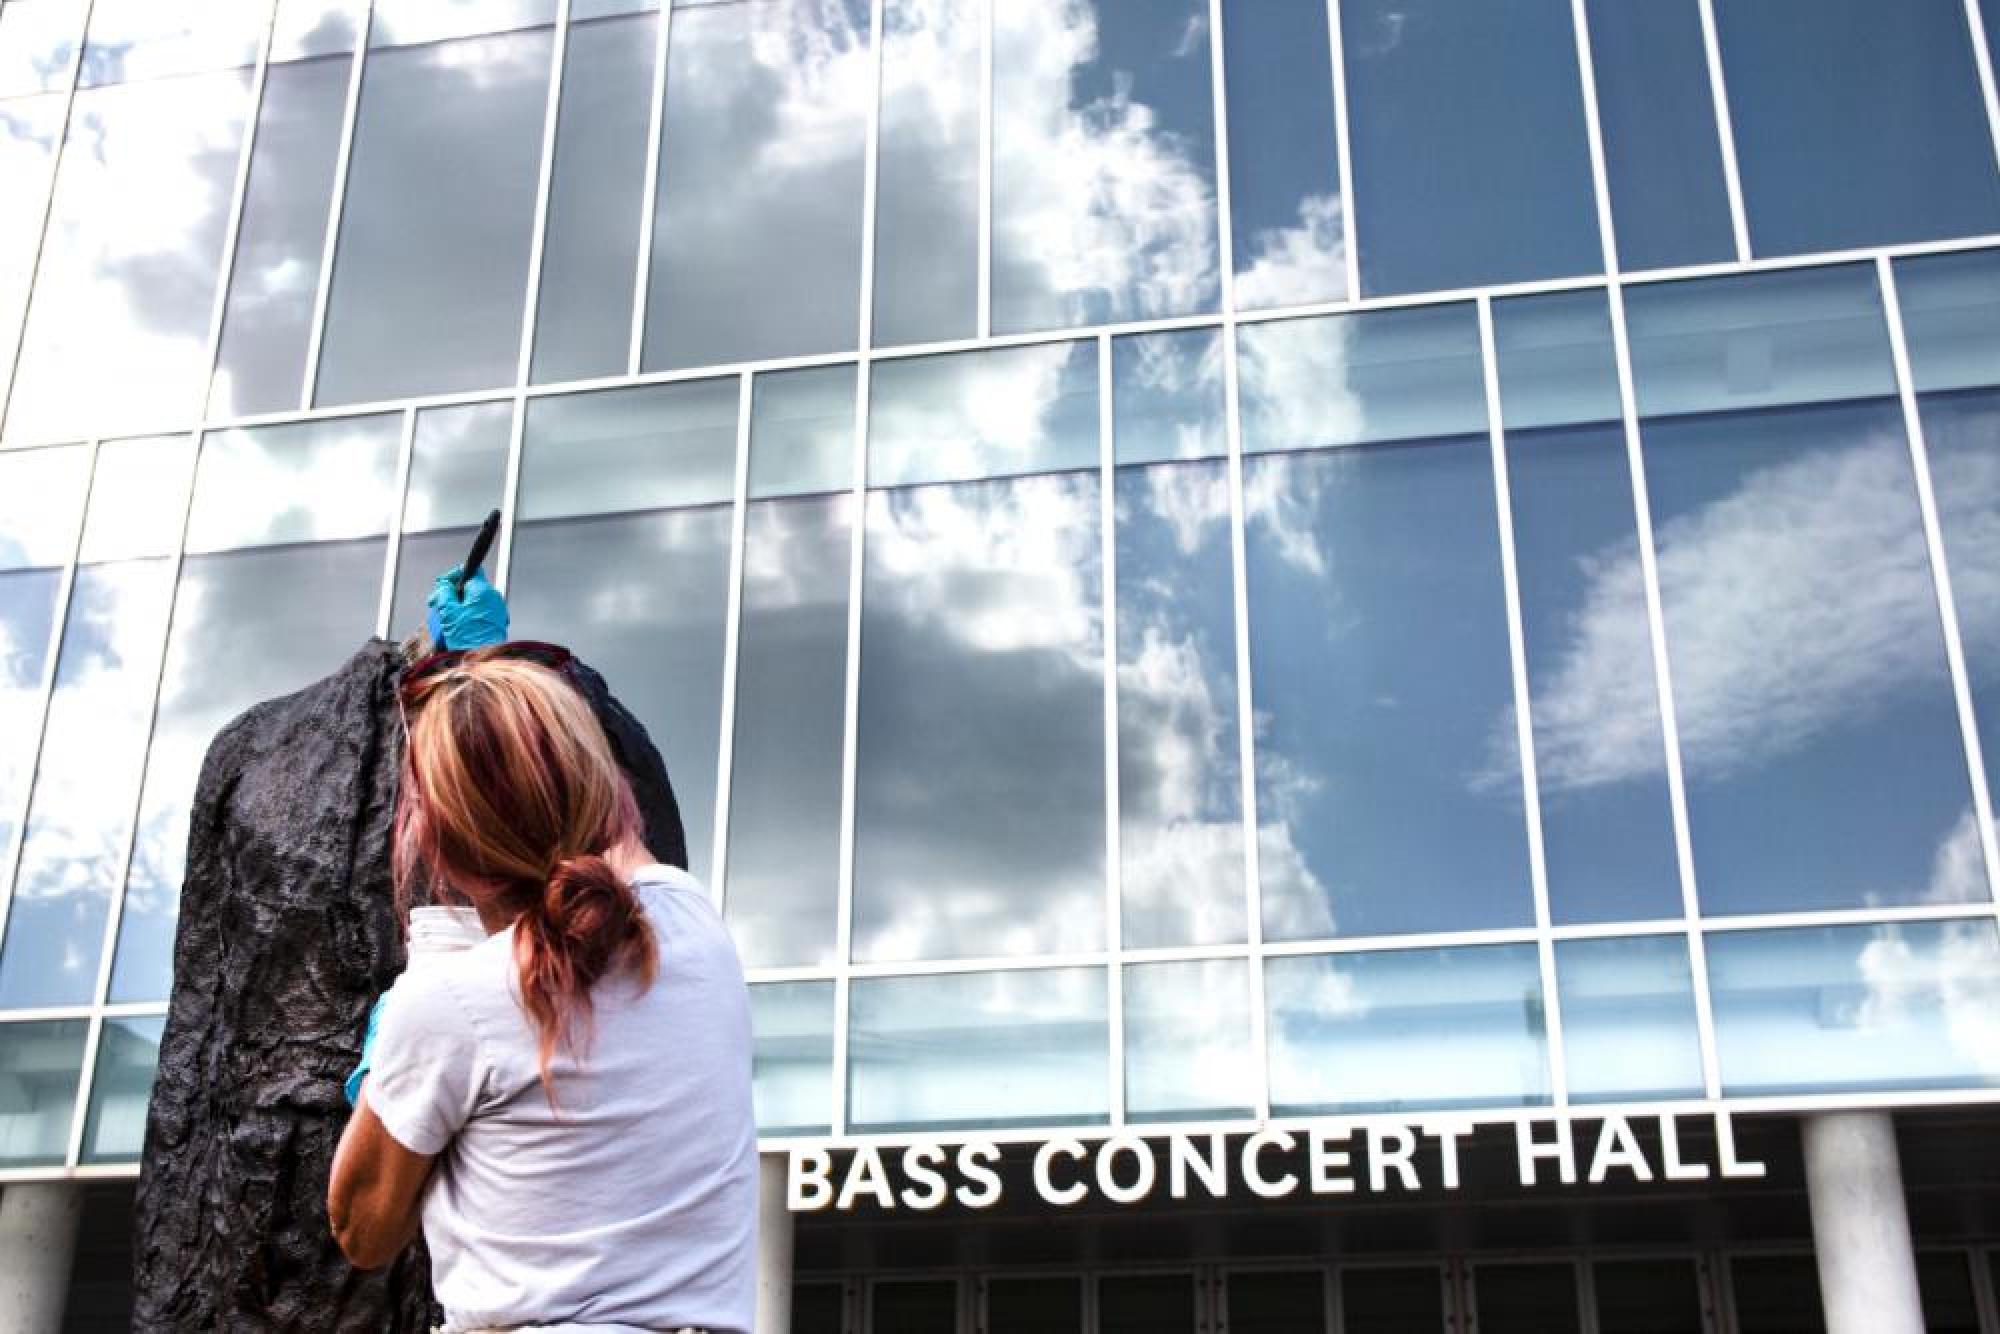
<point>481,544</point>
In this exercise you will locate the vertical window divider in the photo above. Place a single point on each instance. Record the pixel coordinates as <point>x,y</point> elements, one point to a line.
<point>1954,645</point>
<point>1982,57</point>
<point>650,195</point>
<point>510,492</point>
<point>1524,727</point>
<point>538,241</point>
<point>871,166</point>
<point>393,551</point>
<point>985,325</point>
<point>843,962</point>
<point>350,120</point>
<point>48,208</point>
<point>1725,130</point>
<point>226,271</point>
<point>1108,592</point>
<point>1343,144</point>
<point>1593,126</point>
<point>732,632</point>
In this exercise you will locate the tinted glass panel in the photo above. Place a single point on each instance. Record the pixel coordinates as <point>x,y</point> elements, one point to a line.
<point>1856,1007</point>
<point>40,1062</point>
<point>1776,1294</point>
<point>1276,1303</point>
<point>1406,1029</point>
<point>590,256</point>
<point>1187,1041</point>
<point>268,321</point>
<point>791,699</point>
<point>981,692</point>
<point>913,1308</point>
<point>792,1061</point>
<point>127,1056</point>
<point>819,1308</point>
<point>1146,1304</point>
<point>1809,660</point>
<point>1180,812</point>
<point>1351,379</point>
<point>1600,754</point>
<point>30,130</point>
<point>651,447</point>
<point>1909,158</point>
<point>458,469</point>
<point>432,262</point>
<point>1168,394</point>
<point>124,295</point>
<point>275,510</point>
<point>1526,1299</point>
<point>802,432</point>
<point>1647,1296</point>
<point>1662,157</point>
<point>757,233</point>
<point>1628,1019</point>
<point>981,414</point>
<point>1470,160</point>
<point>927,172</point>
<point>1944,1278</point>
<point>149,39</point>
<point>304,28</point>
<point>1391,1301</point>
<point>1034,1306</point>
<point>1109,103</point>
<point>37,42</point>
<point>401,22</point>
<point>1024,1047</point>
<point>1287,220</point>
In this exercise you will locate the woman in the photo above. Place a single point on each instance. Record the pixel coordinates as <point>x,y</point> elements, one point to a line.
<point>569,1101</point>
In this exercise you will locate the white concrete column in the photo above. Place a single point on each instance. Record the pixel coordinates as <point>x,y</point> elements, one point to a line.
<point>774,1248</point>
<point>1861,1225</point>
<point>37,1242</point>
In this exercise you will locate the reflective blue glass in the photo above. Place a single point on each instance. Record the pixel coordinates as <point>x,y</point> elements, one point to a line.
<point>1406,1029</point>
<point>802,432</point>
<point>458,470</point>
<point>128,1053</point>
<point>1628,1019</point>
<point>152,39</point>
<point>983,414</point>
<point>1856,123</point>
<point>1853,1008</point>
<point>1801,616</point>
<point>964,1050</point>
<point>1951,316</point>
<point>1103,163</point>
<point>1662,156</point>
<point>792,1057</point>
<point>1288,223</point>
<point>40,1063</point>
<point>1167,394</point>
<point>1471,164</point>
<point>1188,1054</point>
<point>37,42</point>
<point>1600,753</point>
<point>30,133</point>
<point>1350,379</point>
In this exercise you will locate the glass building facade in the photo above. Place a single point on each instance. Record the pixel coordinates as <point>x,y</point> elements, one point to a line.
<point>1192,561</point>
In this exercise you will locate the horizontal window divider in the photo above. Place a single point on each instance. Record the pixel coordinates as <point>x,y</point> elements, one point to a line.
<point>1663,926</point>
<point>1979,910</point>
<point>45,1013</point>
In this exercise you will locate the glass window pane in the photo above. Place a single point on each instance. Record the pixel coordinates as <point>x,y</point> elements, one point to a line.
<point>151,39</point>
<point>1647,1296</point>
<point>40,1063</point>
<point>37,43</point>
<point>407,22</point>
<point>1146,1304</point>
<point>138,498</point>
<point>590,256</point>
<point>124,295</point>
<point>819,1308</point>
<point>268,320</point>
<point>1628,1019</point>
<point>792,1062</point>
<point>981,692</point>
<point>1187,1041</point>
<point>306,28</point>
<point>1110,104</point>
<point>1406,1029</point>
<point>1168,392</point>
<point>276,510</point>
<point>1951,313</point>
<point>783,871</point>
<point>1033,1306</point>
<point>1944,1278</point>
<point>458,470</point>
<point>966,1050</point>
<point>1662,156</point>
<point>1180,772</point>
<point>1470,160</point>
<point>1276,1302</point>
<point>622,553</point>
<point>1801,615</point>
<point>432,261</point>
<point>1389,791</point>
<point>1288,223</point>
<point>1526,1299</point>
<point>1776,1294</point>
<point>927,172</point>
<point>1856,124</point>
<point>128,1053</point>
<point>1391,1301</point>
<point>30,131</point>
<point>1600,753</point>
<point>41,503</point>
<point>802,432</point>
<point>757,229</point>
<point>983,414</point>
<point>913,1307</point>
<point>1856,1007</point>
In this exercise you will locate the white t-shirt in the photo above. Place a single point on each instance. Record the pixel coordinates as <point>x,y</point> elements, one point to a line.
<point>630,1207</point>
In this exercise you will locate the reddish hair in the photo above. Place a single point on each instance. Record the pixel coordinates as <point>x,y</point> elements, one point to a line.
<point>510,800</point>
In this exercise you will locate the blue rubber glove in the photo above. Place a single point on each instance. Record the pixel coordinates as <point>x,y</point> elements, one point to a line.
<point>478,620</point>
<point>353,1085</point>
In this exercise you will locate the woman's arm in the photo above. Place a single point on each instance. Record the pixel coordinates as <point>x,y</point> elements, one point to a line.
<point>374,1195</point>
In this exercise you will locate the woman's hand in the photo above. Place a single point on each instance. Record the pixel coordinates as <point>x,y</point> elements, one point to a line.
<point>375,1195</point>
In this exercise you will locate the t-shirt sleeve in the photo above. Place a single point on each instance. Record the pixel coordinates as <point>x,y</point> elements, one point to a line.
<point>428,1073</point>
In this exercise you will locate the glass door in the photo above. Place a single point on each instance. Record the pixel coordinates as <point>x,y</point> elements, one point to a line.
<point>1274,1301</point>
